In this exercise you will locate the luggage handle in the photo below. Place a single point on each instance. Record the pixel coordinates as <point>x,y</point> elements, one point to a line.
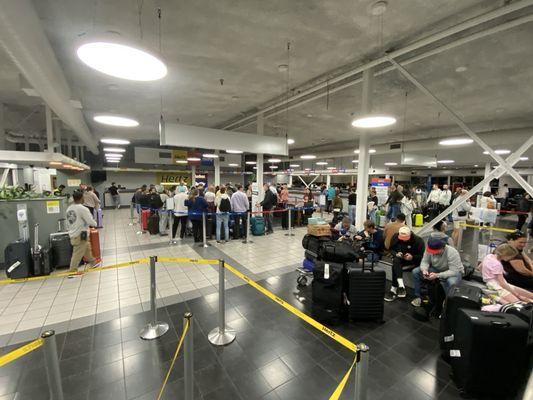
<point>500,324</point>
<point>36,237</point>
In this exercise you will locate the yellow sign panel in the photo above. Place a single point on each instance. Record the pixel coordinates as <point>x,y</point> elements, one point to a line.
<point>73,182</point>
<point>173,177</point>
<point>178,155</point>
<point>52,207</point>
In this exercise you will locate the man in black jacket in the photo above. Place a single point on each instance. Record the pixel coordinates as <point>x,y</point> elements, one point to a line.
<point>269,202</point>
<point>407,250</point>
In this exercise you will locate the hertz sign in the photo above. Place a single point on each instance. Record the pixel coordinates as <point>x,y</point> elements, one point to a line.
<point>173,177</point>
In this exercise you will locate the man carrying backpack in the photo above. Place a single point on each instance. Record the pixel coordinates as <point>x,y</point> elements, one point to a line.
<point>223,204</point>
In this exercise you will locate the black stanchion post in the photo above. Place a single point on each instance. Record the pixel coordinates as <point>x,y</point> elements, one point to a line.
<point>188,358</point>
<point>221,335</point>
<point>289,218</point>
<point>155,328</point>
<point>361,372</point>
<point>171,227</point>
<point>204,234</point>
<point>51,362</point>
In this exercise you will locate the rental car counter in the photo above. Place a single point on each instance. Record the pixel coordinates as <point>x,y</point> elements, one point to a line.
<point>44,211</point>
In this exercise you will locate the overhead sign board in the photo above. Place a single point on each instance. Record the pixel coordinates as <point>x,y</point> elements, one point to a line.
<point>418,160</point>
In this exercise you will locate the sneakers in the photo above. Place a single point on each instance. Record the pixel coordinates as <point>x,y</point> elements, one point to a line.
<point>401,292</point>
<point>391,296</point>
<point>417,302</point>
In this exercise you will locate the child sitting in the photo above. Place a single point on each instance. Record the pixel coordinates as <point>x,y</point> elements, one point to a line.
<point>492,271</point>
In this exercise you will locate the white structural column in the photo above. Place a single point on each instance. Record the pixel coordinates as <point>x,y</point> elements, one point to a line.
<point>290,180</point>
<point>216,163</point>
<point>488,169</point>
<point>193,174</point>
<point>58,125</point>
<point>49,129</point>
<point>26,141</point>
<point>364,155</point>
<point>3,140</point>
<point>69,145</point>
<point>328,180</point>
<point>259,164</point>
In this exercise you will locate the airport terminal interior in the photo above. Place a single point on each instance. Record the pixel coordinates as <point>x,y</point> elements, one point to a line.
<point>266,200</point>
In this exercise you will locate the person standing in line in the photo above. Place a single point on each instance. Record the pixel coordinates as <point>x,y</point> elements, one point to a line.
<point>79,221</point>
<point>372,204</point>
<point>269,202</point>
<point>137,198</point>
<point>196,206</point>
<point>180,213</point>
<point>210,221</point>
<point>223,204</point>
<point>163,212</point>
<point>249,194</point>
<point>407,207</point>
<point>433,202</point>
<point>330,195</point>
<point>394,202</point>
<point>240,206</point>
<point>503,193</point>
<point>445,197</point>
<point>90,200</point>
<point>352,204</point>
<point>524,207</point>
<point>115,196</point>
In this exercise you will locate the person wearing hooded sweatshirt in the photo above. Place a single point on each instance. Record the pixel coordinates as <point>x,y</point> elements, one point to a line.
<point>180,212</point>
<point>439,231</point>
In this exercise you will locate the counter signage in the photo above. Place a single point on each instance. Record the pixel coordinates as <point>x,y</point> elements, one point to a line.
<point>382,188</point>
<point>52,207</point>
<point>173,177</point>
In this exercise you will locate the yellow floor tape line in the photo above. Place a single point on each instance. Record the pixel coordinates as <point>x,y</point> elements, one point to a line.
<point>12,356</point>
<point>337,393</point>
<point>489,228</point>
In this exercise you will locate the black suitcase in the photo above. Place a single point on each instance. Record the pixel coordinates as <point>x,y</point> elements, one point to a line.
<point>366,291</point>
<point>18,251</point>
<point>489,355</point>
<point>153,224</point>
<point>524,312</point>
<point>314,243</point>
<point>61,250</point>
<point>459,296</point>
<point>339,252</point>
<point>40,256</point>
<point>327,291</point>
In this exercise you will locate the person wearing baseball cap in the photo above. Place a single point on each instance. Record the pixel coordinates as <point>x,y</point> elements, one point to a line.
<point>407,250</point>
<point>440,261</point>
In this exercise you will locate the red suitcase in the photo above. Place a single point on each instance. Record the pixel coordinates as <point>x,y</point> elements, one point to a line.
<point>95,243</point>
<point>145,215</point>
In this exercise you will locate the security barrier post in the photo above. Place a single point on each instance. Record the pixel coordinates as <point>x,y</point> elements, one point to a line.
<point>132,218</point>
<point>204,235</point>
<point>221,335</point>
<point>171,227</point>
<point>361,372</point>
<point>188,358</point>
<point>290,222</point>
<point>155,328</point>
<point>248,220</point>
<point>52,365</point>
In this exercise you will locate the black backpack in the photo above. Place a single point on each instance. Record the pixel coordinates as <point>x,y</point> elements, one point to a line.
<point>225,205</point>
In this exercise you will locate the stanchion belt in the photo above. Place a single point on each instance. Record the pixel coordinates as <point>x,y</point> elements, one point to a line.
<point>338,391</point>
<point>187,260</point>
<point>21,351</point>
<point>489,228</point>
<point>180,343</point>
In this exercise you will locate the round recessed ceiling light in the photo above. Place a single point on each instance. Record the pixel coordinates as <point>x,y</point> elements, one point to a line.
<point>391,163</point>
<point>499,151</point>
<point>181,161</point>
<point>251,162</point>
<point>371,151</point>
<point>233,165</point>
<point>307,157</point>
<point>233,151</point>
<point>456,141</point>
<point>294,165</point>
<point>373,121</point>
<point>322,163</point>
<point>115,141</point>
<point>290,141</point>
<point>114,150</point>
<point>194,159</point>
<point>445,161</point>
<point>462,68</point>
<point>274,160</point>
<point>355,161</point>
<point>524,158</point>
<point>475,165</point>
<point>122,61</point>
<point>115,120</point>
<point>273,167</point>
<point>210,155</point>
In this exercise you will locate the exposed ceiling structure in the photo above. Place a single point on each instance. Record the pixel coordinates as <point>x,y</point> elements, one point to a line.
<point>228,62</point>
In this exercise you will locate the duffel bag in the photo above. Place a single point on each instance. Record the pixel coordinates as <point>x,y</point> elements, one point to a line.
<point>339,252</point>
<point>314,243</point>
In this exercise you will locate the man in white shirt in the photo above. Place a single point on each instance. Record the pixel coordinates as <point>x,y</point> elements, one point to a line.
<point>79,220</point>
<point>445,196</point>
<point>240,206</point>
<point>180,212</point>
<point>433,202</point>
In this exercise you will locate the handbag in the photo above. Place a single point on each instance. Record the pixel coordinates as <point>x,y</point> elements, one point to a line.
<point>462,213</point>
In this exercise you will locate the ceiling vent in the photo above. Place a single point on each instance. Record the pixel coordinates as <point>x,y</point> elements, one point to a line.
<point>395,146</point>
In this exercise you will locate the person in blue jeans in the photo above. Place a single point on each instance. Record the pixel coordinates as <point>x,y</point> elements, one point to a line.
<point>394,201</point>
<point>440,261</point>
<point>223,204</point>
<point>352,204</point>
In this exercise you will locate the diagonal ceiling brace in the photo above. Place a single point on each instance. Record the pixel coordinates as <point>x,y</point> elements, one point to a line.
<point>508,168</point>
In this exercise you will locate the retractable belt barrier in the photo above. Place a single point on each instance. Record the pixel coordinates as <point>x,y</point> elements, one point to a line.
<point>199,214</point>
<point>21,351</point>
<point>489,228</point>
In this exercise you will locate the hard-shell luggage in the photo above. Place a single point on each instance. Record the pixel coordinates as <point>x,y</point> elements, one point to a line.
<point>18,259</point>
<point>339,252</point>
<point>329,281</point>
<point>40,257</point>
<point>522,311</point>
<point>257,225</point>
<point>366,291</point>
<point>95,242</point>
<point>153,224</point>
<point>461,296</point>
<point>418,220</point>
<point>99,218</point>
<point>489,355</point>
<point>314,243</point>
<point>145,215</point>
<point>61,249</point>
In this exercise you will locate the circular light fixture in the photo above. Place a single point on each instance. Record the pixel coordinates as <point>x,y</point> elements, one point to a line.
<point>456,141</point>
<point>373,121</point>
<point>114,150</point>
<point>445,161</point>
<point>274,160</point>
<point>210,155</point>
<point>115,141</point>
<point>194,159</point>
<point>251,162</point>
<point>499,151</point>
<point>115,120</point>
<point>290,141</point>
<point>294,165</point>
<point>181,161</point>
<point>390,164</point>
<point>233,165</point>
<point>521,159</point>
<point>475,165</point>
<point>122,61</point>
<point>355,161</point>
<point>273,167</point>
<point>233,151</point>
<point>322,163</point>
<point>307,157</point>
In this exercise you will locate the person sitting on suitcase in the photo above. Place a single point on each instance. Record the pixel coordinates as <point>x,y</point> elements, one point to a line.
<point>370,240</point>
<point>440,261</point>
<point>493,276</point>
<point>407,250</point>
<point>79,220</point>
<point>346,229</point>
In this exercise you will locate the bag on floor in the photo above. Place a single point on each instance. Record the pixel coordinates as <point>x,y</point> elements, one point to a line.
<point>61,249</point>
<point>145,215</point>
<point>95,242</point>
<point>314,243</point>
<point>366,291</point>
<point>257,225</point>
<point>329,280</point>
<point>40,257</point>
<point>522,311</point>
<point>418,220</point>
<point>18,259</point>
<point>99,218</point>
<point>153,224</point>
<point>339,252</point>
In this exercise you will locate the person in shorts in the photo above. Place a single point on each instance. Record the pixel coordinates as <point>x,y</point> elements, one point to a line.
<point>493,276</point>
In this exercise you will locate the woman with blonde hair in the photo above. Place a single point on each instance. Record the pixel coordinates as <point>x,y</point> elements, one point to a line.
<point>493,276</point>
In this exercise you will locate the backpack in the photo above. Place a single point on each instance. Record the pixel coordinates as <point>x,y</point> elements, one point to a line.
<point>225,205</point>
